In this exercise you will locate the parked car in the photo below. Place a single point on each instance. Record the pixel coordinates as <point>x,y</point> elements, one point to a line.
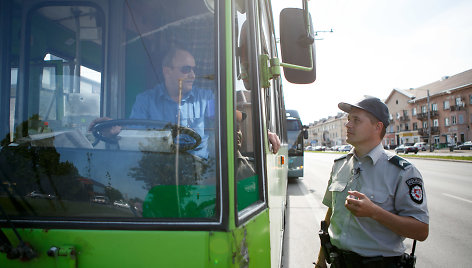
<point>423,146</point>
<point>336,147</point>
<point>465,146</point>
<point>121,204</point>
<point>36,194</point>
<point>406,148</point>
<point>345,148</point>
<point>100,199</point>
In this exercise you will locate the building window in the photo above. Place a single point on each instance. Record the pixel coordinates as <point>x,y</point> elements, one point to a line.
<point>407,127</point>
<point>461,119</point>
<point>446,104</point>
<point>398,115</point>
<point>458,101</point>
<point>391,129</point>
<point>405,112</point>
<point>435,123</point>
<point>415,126</point>
<point>424,109</point>
<point>398,128</point>
<point>434,106</point>
<point>454,119</point>
<point>425,124</point>
<point>470,99</point>
<point>396,101</point>
<point>413,111</point>
<point>446,121</point>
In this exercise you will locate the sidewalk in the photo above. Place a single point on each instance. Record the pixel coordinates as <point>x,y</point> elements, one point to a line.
<point>441,152</point>
<point>446,152</point>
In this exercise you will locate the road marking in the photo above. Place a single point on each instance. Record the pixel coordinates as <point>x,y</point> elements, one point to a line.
<point>458,198</point>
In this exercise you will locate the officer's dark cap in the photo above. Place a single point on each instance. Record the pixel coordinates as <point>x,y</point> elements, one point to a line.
<point>372,105</point>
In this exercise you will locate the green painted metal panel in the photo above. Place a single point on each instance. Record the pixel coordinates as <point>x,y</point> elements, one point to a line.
<point>246,245</point>
<point>248,192</point>
<point>95,248</point>
<point>182,201</point>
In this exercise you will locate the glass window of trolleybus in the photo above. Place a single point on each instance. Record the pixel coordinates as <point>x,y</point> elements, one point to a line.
<point>140,148</point>
<point>247,179</point>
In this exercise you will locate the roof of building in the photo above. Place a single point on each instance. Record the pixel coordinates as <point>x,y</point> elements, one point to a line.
<point>407,92</point>
<point>447,83</point>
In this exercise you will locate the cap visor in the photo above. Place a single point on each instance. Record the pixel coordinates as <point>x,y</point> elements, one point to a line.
<point>346,107</point>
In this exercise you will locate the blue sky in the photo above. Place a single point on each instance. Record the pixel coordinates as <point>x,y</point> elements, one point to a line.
<point>377,46</point>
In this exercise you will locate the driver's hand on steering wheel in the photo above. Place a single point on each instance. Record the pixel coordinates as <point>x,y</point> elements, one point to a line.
<point>106,132</point>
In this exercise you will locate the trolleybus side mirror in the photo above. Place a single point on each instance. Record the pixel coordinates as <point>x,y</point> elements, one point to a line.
<point>305,132</point>
<point>297,45</point>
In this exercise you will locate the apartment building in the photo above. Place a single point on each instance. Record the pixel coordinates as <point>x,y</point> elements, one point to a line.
<point>439,111</point>
<point>328,131</point>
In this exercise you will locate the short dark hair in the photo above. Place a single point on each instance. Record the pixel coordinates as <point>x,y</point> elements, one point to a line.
<point>169,55</point>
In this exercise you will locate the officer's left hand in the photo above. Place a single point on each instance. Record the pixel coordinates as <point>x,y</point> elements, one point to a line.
<point>360,205</point>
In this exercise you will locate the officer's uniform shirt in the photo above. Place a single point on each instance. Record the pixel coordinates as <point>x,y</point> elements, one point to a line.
<point>390,182</point>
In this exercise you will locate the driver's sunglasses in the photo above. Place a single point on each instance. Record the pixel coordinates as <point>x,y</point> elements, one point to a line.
<point>187,69</point>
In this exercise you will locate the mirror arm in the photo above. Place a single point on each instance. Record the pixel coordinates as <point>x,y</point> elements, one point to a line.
<point>298,67</point>
<point>270,68</point>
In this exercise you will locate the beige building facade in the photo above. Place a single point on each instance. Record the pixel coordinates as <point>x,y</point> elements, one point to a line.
<point>443,118</point>
<point>328,132</point>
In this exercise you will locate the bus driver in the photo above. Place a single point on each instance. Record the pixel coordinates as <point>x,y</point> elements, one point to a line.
<point>162,102</point>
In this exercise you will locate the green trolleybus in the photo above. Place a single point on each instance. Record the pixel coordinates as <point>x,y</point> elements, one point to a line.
<point>135,133</point>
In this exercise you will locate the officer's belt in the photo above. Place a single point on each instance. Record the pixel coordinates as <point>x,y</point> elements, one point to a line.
<point>350,259</point>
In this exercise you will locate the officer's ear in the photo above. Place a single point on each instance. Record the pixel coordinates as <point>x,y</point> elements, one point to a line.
<point>382,129</point>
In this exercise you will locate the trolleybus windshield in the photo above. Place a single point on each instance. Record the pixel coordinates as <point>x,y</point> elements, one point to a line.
<point>124,137</point>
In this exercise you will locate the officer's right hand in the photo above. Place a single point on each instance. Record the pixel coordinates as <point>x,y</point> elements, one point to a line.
<point>106,132</point>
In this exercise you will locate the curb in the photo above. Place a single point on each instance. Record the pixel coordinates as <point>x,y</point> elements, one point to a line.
<point>439,159</point>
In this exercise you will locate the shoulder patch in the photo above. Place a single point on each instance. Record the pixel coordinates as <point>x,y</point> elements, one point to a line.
<point>415,186</point>
<point>399,162</point>
<point>340,158</point>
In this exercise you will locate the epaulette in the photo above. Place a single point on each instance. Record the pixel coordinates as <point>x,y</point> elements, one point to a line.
<point>399,162</point>
<point>340,158</point>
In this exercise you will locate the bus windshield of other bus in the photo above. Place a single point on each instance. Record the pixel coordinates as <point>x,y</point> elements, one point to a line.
<point>296,133</point>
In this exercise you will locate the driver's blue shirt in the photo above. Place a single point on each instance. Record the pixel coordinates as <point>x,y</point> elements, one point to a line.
<point>196,110</point>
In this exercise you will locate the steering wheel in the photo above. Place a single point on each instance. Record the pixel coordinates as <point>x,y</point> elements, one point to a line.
<point>183,144</point>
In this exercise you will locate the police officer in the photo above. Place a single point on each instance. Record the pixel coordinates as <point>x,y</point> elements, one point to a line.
<point>375,198</point>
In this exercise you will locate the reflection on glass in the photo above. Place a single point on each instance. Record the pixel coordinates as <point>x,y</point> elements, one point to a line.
<point>246,177</point>
<point>59,159</point>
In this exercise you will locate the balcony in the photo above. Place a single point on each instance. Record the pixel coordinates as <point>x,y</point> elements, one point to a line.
<point>459,107</point>
<point>424,131</point>
<point>424,116</point>
<point>404,118</point>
